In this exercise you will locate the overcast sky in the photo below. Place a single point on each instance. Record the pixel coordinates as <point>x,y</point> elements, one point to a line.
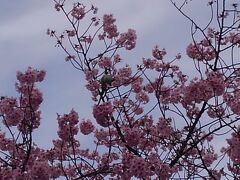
<point>23,43</point>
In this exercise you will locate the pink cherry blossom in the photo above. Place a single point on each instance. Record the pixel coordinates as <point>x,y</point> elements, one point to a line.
<point>30,76</point>
<point>158,54</point>
<point>132,136</point>
<point>201,51</point>
<point>128,39</point>
<point>234,147</point>
<point>138,167</point>
<point>109,27</point>
<point>78,11</point>
<point>86,127</point>
<point>102,113</point>
<point>105,62</point>
<point>68,126</point>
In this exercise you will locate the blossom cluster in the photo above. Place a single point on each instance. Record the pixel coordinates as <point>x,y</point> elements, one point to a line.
<point>68,126</point>
<point>202,90</point>
<point>78,11</point>
<point>201,51</point>
<point>109,27</point>
<point>30,76</point>
<point>102,113</point>
<point>128,39</point>
<point>158,54</point>
<point>86,127</point>
<point>23,112</point>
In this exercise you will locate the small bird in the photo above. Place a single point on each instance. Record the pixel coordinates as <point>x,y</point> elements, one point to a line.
<point>105,82</point>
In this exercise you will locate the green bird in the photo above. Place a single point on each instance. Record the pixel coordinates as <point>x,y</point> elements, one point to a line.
<point>106,80</point>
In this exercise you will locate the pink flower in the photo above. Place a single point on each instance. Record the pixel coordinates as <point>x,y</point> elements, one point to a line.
<point>6,144</point>
<point>103,113</point>
<point>101,135</point>
<point>78,11</point>
<point>109,27</point>
<point>123,76</point>
<point>164,128</point>
<point>216,80</point>
<point>93,86</point>
<point>150,63</point>
<point>139,168</point>
<point>158,54</point>
<point>86,127</point>
<point>132,136</point>
<point>200,51</point>
<point>234,147</point>
<point>68,126</point>
<point>128,39</point>
<point>105,62</point>
<point>39,170</point>
<point>7,105</point>
<point>14,117</point>
<point>136,85</point>
<point>30,76</point>
<point>203,90</point>
<point>90,74</point>
<point>216,112</point>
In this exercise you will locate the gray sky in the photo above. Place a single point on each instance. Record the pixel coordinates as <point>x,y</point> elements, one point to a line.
<point>23,43</point>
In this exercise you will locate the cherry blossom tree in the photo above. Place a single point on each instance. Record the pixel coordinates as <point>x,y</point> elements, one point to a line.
<point>151,121</point>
